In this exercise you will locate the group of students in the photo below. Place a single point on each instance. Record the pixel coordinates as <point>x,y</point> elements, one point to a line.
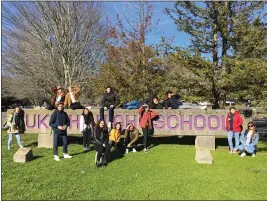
<point>103,137</point>
<point>247,142</point>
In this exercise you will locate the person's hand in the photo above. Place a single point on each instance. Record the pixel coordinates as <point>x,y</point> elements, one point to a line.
<point>111,106</point>
<point>60,127</point>
<point>105,108</point>
<point>246,147</point>
<point>128,127</point>
<point>104,145</point>
<point>169,108</point>
<point>64,127</point>
<point>129,145</point>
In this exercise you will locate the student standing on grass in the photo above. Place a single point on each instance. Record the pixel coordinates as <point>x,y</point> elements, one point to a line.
<point>59,121</point>
<point>16,125</point>
<point>115,136</point>
<point>109,101</point>
<point>86,127</point>
<point>234,123</point>
<point>131,138</point>
<point>146,116</point>
<point>101,137</point>
<point>249,140</point>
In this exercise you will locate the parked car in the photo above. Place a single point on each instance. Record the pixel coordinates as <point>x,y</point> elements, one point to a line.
<point>188,105</point>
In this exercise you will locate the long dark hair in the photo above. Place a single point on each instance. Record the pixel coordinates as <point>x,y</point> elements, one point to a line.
<point>84,112</point>
<point>116,126</point>
<point>105,128</point>
<point>254,127</point>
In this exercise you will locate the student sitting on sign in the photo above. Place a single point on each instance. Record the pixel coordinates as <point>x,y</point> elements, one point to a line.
<point>72,98</point>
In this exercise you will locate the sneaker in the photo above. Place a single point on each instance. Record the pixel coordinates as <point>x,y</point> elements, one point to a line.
<point>253,155</point>
<point>146,150</point>
<point>56,157</point>
<point>67,156</point>
<point>86,149</point>
<point>98,164</point>
<point>134,150</point>
<point>8,148</point>
<point>230,152</point>
<point>21,147</point>
<point>126,151</point>
<point>243,154</point>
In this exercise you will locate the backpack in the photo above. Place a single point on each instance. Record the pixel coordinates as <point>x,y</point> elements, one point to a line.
<point>5,126</point>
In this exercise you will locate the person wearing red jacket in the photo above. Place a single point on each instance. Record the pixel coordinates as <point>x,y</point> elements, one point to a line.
<point>145,122</point>
<point>234,123</point>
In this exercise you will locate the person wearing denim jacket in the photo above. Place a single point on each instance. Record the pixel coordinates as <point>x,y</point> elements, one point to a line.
<point>249,140</point>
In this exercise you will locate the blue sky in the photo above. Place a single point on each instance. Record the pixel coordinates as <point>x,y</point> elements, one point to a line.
<point>165,27</point>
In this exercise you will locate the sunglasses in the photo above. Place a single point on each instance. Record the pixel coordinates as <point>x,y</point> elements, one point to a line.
<point>250,126</point>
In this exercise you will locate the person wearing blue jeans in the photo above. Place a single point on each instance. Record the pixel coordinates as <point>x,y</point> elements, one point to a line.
<point>234,123</point>
<point>16,125</point>
<point>249,140</point>
<point>132,105</point>
<point>232,134</point>
<point>59,121</point>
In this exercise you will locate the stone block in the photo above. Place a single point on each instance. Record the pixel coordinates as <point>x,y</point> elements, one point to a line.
<point>45,140</point>
<point>204,157</point>
<point>205,142</point>
<point>23,155</point>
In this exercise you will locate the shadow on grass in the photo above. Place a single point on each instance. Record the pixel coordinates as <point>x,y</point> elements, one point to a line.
<point>33,144</point>
<point>36,157</point>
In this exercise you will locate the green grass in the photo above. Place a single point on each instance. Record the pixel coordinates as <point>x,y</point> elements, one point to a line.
<point>169,171</point>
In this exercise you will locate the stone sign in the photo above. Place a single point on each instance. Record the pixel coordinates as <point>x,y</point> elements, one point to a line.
<point>169,122</point>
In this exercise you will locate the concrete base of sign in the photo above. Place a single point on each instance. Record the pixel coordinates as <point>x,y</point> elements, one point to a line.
<point>45,140</point>
<point>205,142</point>
<point>204,157</point>
<point>23,155</point>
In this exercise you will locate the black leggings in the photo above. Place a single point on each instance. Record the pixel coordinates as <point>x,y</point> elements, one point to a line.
<point>100,150</point>
<point>146,132</point>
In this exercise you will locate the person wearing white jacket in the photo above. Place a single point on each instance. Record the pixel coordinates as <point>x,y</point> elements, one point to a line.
<point>86,127</point>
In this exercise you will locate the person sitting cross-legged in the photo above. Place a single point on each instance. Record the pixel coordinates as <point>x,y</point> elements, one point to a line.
<point>249,140</point>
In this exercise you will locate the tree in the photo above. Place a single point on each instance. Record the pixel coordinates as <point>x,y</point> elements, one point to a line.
<point>49,43</point>
<point>213,27</point>
<point>132,67</point>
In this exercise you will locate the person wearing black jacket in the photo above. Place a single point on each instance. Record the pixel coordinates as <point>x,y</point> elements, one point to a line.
<point>109,101</point>
<point>172,101</point>
<point>101,138</point>
<point>153,103</point>
<point>59,121</point>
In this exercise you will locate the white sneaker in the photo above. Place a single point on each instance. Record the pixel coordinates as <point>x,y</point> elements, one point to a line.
<point>86,149</point>
<point>134,150</point>
<point>67,156</point>
<point>253,155</point>
<point>230,152</point>
<point>243,154</point>
<point>146,150</point>
<point>56,157</point>
<point>126,151</point>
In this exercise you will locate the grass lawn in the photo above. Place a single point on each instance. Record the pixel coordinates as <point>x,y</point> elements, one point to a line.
<point>168,171</point>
